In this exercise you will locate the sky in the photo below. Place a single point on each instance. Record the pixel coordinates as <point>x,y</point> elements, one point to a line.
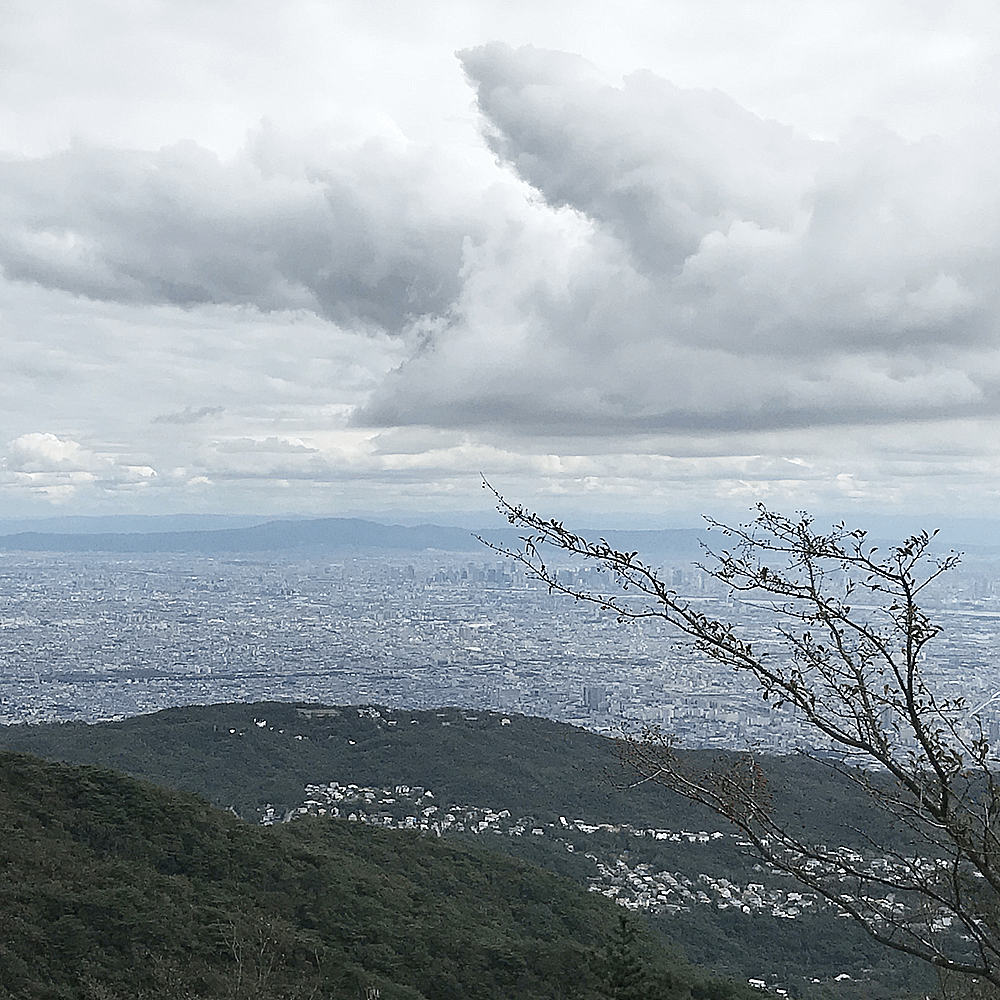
<point>641,261</point>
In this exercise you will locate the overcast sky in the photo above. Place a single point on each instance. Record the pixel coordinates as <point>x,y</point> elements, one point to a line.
<point>651,259</point>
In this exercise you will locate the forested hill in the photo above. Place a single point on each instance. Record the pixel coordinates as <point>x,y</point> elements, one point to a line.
<point>247,756</point>
<point>113,888</point>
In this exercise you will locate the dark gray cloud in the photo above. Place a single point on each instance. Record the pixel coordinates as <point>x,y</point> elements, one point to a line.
<point>357,236</point>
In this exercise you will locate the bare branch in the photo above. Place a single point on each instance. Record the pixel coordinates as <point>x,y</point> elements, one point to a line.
<point>854,637</point>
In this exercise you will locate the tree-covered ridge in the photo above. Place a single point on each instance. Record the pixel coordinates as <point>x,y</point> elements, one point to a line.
<point>249,756</point>
<point>110,887</point>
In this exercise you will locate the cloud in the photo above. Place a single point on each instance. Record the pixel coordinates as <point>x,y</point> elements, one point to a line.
<point>656,259</point>
<point>39,452</point>
<point>656,292</point>
<point>45,465</point>
<point>270,445</point>
<point>362,232</point>
<point>657,166</point>
<point>188,415</point>
<point>688,265</point>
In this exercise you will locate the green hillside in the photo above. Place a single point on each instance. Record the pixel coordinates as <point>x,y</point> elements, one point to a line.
<point>248,756</point>
<point>110,887</point>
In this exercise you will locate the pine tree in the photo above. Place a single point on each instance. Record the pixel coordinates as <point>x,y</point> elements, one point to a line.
<point>621,967</point>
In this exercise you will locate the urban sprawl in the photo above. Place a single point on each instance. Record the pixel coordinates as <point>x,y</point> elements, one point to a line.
<point>93,637</point>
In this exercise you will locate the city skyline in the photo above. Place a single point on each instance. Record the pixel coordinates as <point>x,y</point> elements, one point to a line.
<point>331,259</point>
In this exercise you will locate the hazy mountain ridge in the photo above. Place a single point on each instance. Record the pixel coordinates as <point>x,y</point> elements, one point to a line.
<point>119,524</point>
<point>323,534</point>
<point>164,533</point>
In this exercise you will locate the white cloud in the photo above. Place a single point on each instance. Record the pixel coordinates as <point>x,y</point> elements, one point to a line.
<point>43,452</point>
<point>695,266</point>
<point>43,464</point>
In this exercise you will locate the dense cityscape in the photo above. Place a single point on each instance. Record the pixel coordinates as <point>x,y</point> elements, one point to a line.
<point>99,636</point>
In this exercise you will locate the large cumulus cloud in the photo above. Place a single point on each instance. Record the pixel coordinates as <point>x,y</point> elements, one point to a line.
<point>688,265</point>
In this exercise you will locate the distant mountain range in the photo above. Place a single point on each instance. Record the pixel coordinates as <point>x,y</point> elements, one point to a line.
<point>119,524</point>
<point>208,533</point>
<point>324,533</point>
<point>333,534</point>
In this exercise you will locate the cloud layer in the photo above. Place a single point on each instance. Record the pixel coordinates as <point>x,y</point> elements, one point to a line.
<point>681,263</point>
<point>652,287</point>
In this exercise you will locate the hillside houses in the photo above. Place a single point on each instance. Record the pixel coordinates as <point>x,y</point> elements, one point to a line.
<point>637,887</point>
